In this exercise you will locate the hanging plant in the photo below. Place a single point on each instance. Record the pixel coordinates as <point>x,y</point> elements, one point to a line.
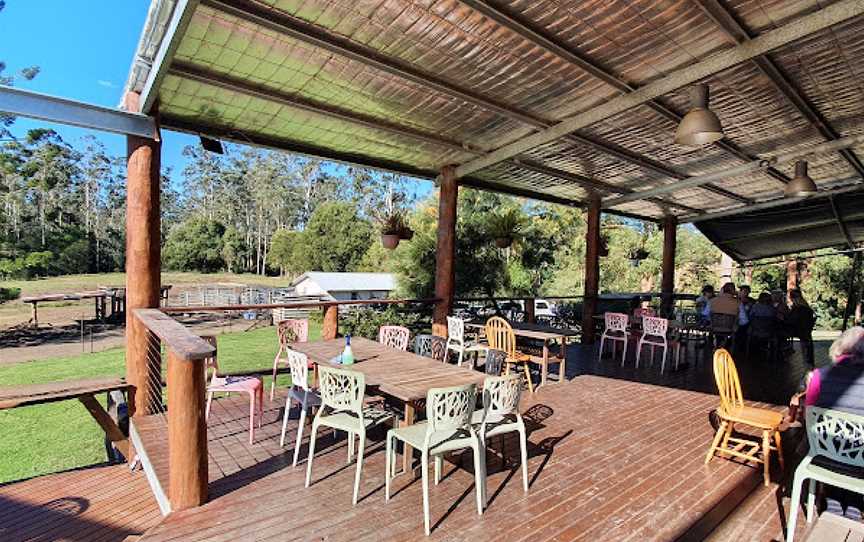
<point>505,226</point>
<point>603,248</point>
<point>393,229</point>
<point>406,234</point>
<point>636,256</point>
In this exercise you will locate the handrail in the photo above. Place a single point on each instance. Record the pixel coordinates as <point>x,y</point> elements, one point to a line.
<point>177,338</point>
<point>301,305</point>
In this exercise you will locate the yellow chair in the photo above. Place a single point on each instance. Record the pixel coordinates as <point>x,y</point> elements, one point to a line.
<point>733,410</point>
<point>500,335</point>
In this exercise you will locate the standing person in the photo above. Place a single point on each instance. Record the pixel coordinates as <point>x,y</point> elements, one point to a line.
<point>800,322</point>
<point>745,303</point>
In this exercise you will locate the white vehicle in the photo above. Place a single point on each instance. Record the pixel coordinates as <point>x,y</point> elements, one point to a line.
<point>544,308</point>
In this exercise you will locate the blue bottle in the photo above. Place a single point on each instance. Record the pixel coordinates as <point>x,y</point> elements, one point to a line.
<point>347,353</point>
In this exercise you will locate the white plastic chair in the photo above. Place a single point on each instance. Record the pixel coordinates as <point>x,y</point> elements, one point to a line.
<point>500,415</point>
<point>836,443</point>
<point>394,337</point>
<point>300,392</point>
<point>654,330</point>
<point>448,427</point>
<point>615,331</point>
<point>250,385</point>
<point>287,331</point>
<point>456,339</point>
<point>342,408</point>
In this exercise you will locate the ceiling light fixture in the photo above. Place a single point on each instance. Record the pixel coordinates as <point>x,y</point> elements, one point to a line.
<point>801,184</point>
<point>700,126</point>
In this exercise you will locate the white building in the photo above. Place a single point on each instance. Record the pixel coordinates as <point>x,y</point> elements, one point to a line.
<point>345,286</point>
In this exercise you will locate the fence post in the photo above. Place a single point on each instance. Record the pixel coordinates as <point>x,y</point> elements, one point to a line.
<point>187,433</point>
<point>529,310</point>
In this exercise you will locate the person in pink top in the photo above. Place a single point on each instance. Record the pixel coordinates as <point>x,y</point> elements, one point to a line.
<point>841,384</point>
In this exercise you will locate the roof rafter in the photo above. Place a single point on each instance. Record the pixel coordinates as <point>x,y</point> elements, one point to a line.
<point>844,229</point>
<point>738,33</point>
<point>302,31</point>
<point>804,26</point>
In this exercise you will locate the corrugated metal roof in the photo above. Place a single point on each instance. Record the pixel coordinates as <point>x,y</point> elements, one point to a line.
<point>413,86</point>
<point>349,282</point>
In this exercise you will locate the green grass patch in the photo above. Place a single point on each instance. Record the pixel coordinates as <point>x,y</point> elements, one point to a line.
<point>48,438</point>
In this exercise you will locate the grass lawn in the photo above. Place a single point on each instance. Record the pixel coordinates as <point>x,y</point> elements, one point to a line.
<point>48,438</point>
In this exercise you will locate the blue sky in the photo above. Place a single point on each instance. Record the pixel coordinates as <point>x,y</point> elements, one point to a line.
<point>84,49</point>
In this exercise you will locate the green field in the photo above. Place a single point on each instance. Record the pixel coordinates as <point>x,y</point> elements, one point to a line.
<point>58,436</point>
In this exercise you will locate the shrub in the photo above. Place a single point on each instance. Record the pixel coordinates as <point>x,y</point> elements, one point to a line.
<point>8,294</point>
<point>364,322</point>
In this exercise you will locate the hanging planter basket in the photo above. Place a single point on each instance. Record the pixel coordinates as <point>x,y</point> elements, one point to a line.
<point>503,242</point>
<point>636,256</point>
<point>390,240</point>
<point>406,234</point>
<point>603,248</point>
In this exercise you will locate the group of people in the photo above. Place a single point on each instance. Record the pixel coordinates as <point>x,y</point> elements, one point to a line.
<point>771,311</point>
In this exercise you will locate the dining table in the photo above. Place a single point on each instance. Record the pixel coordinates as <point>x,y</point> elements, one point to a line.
<point>401,375</point>
<point>547,335</point>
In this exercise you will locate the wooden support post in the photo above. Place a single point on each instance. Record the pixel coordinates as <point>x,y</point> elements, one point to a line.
<point>445,251</point>
<point>187,433</point>
<point>792,279</point>
<point>143,261</point>
<point>529,310</point>
<point>670,230</point>
<point>592,268</point>
<point>330,327</point>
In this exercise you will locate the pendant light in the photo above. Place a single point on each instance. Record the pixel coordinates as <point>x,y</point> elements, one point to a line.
<point>700,126</point>
<point>801,184</point>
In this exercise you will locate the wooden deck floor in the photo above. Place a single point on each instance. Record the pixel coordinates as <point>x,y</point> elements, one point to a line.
<point>609,460</point>
<point>95,504</point>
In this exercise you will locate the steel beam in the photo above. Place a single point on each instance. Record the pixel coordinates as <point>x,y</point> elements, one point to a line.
<point>180,18</point>
<point>24,103</point>
<point>840,223</point>
<point>778,159</point>
<point>769,41</point>
<point>738,33</point>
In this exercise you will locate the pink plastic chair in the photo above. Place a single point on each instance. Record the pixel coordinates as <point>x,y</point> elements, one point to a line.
<point>654,331</point>
<point>234,384</point>
<point>394,337</point>
<point>288,331</point>
<point>614,331</point>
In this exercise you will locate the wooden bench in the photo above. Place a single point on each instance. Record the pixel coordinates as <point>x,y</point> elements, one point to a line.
<point>83,390</point>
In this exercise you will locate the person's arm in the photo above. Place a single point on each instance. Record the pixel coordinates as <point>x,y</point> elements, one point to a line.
<point>814,386</point>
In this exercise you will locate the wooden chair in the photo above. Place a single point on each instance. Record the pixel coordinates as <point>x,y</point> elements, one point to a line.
<point>394,337</point>
<point>287,331</point>
<point>733,411</point>
<point>500,335</point>
<point>723,326</point>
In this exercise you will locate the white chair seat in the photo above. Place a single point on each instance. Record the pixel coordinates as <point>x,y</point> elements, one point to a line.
<point>348,421</point>
<point>310,398</point>
<point>439,443</point>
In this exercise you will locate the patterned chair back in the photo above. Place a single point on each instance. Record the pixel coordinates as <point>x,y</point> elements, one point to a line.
<point>341,389</point>
<point>728,385</point>
<point>495,361</point>
<point>501,394</point>
<point>456,330</point>
<point>450,409</point>
<point>394,337</point>
<point>439,348</point>
<point>723,323</point>
<point>615,321</point>
<point>423,345</point>
<point>299,364</point>
<point>655,326</point>
<point>837,435</point>
<point>500,335</point>
<point>292,330</point>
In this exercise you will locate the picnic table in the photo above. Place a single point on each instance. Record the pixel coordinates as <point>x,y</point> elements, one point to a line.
<point>402,375</point>
<point>83,390</point>
<point>544,334</point>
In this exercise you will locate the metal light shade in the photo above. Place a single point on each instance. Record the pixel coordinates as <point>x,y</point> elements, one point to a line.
<point>801,184</point>
<point>700,126</point>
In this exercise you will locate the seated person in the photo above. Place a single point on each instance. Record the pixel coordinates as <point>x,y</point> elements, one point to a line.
<point>763,307</point>
<point>726,302</point>
<point>702,302</point>
<point>840,385</point>
<point>800,322</point>
<point>778,299</point>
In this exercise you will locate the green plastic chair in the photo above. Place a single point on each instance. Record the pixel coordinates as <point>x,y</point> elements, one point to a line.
<point>836,444</point>
<point>342,409</point>
<point>448,427</point>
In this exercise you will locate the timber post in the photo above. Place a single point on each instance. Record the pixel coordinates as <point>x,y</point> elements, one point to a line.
<point>187,433</point>
<point>330,327</point>
<point>592,268</point>
<point>445,250</point>
<point>530,313</point>
<point>143,263</point>
<point>670,230</point>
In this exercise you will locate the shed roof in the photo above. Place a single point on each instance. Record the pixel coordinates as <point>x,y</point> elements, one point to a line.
<point>413,86</point>
<point>349,282</point>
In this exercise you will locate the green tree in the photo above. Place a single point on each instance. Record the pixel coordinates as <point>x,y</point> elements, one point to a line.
<point>335,238</point>
<point>195,245</point>
<point>233,249</point>
<point>286,253</point>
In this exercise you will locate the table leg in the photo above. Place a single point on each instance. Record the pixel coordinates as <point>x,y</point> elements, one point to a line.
<point>545,368</point>
<point>407,451</point>
<point>562,365</point>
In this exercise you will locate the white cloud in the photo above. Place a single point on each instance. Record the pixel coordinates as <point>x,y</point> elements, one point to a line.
<point>106,84</point>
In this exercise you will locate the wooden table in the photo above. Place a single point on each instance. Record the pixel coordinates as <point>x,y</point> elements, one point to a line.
<point>401,375</point>
<point>83,390</point>
<point>546,335</point>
